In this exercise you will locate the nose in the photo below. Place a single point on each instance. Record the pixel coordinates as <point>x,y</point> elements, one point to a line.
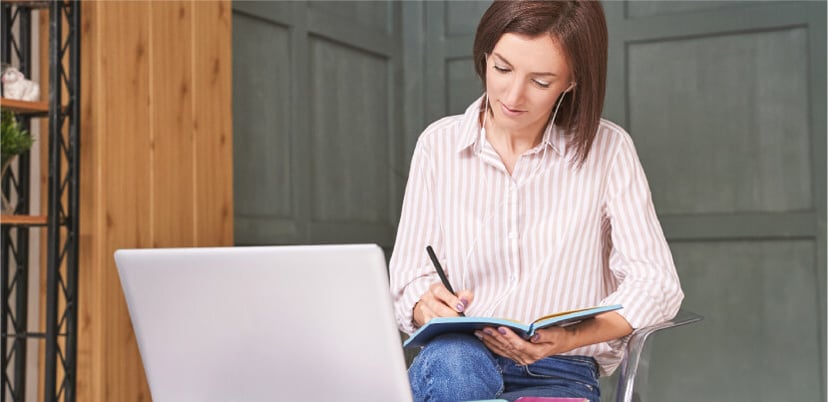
<point>514,93</point>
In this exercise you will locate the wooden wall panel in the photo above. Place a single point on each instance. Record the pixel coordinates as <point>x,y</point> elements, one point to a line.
<point>125,187</point>
<point>213,124</point>
<point>156,167</point>
<point>89,246</point>
<point>171,117</point>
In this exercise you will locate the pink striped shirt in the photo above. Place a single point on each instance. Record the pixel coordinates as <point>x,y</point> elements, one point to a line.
<point>548,238</point>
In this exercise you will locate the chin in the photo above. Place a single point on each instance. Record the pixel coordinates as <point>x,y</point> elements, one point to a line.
<point>512,122</point>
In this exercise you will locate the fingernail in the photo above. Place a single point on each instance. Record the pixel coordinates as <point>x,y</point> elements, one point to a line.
<point>535,337</point>
<point>465,302</point>
<point>488,331</point>
<point>478,334</point>
<point>460,307</point>
<point>502,330</point>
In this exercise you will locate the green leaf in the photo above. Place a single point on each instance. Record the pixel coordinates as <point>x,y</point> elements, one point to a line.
<point>15,140</point>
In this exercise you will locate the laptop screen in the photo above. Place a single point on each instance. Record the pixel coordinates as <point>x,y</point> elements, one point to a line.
<point>265,323</point>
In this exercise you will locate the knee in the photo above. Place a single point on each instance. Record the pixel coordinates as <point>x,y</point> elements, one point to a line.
<point>456,351</point>
<point>455,365</point>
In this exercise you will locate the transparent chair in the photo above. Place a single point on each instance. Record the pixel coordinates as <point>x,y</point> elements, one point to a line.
<point>625,390</point>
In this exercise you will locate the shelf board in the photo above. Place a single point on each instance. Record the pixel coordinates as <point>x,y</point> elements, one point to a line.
<point>23,220</point>
<point>25,107</point>
<point>28,3</point>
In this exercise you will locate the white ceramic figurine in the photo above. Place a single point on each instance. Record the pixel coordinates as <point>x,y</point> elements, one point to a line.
<point>16,86</point>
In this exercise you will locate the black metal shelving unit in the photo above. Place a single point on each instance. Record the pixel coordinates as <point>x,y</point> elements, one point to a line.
<point>59,334</point>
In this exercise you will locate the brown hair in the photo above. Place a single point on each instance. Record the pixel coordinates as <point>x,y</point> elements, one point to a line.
<point>580,29</point>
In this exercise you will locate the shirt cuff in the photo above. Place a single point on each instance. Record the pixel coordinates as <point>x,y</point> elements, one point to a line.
<point>645,305</point>
<point>405,304</point>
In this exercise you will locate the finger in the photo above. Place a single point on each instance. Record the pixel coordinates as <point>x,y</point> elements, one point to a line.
<point>512,341</point>
<point>447,298</point>
<point>553,340</point>
<point>433,300</point>
<point>493,345</point>
<point>420,314</point>
<point>438,308</point>
<point>428,308</point>
<point>495,339</point>
<point>466,297</point>
<point>509,336</point>
<point>511,354</point>
<point>502,335</point>
<point>548,335</point>
<point>518,348</point>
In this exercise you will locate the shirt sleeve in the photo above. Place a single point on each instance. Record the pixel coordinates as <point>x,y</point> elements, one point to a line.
<point>640,259</point>
<point>410,269</point>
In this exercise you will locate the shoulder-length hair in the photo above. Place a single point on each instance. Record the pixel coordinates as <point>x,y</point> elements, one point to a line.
<point>580,28</point>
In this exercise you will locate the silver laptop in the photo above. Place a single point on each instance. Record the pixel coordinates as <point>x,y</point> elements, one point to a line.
<point>287,323</point>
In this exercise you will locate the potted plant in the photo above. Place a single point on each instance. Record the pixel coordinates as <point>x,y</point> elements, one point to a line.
<point>15,141</point>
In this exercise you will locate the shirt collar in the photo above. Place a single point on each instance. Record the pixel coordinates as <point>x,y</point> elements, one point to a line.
<point>553,136</point>
<point>471,126</point>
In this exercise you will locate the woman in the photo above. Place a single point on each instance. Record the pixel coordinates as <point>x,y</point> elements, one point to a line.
<point>534,205</point>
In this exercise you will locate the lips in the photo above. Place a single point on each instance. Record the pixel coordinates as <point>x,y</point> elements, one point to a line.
<point>510,112</point>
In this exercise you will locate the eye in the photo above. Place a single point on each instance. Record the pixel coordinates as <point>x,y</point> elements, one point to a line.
<point>501,69</point>
<point>542,84</point>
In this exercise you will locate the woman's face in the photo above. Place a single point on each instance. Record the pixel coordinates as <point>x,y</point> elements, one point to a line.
<point>524,77</point>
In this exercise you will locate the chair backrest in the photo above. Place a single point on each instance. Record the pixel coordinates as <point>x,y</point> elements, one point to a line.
<point>625,390</point>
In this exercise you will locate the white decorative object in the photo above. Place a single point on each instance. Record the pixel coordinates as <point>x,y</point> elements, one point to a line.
<point>16,86</point>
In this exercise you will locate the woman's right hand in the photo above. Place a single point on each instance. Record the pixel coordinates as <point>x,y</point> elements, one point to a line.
<point>437,301</point>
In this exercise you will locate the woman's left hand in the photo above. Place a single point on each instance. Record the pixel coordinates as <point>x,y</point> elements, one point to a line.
<point>546,342</point>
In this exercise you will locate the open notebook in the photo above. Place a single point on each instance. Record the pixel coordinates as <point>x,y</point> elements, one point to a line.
<point>288,323</point>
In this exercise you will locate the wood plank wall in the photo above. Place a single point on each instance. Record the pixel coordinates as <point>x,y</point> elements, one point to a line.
<point>156,162</point>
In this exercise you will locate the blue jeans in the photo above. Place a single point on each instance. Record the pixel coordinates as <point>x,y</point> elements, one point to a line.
<point>458,367</point>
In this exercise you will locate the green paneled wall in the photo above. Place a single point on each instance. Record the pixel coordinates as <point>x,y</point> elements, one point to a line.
<point>725,101</point>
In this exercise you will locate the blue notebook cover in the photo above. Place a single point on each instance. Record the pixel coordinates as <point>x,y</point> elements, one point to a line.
<point>442,325</point>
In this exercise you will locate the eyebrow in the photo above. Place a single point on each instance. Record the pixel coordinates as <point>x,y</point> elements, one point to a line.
<point>503,59</point>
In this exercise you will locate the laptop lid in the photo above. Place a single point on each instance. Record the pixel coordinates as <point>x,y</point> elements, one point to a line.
<point>285,323</point>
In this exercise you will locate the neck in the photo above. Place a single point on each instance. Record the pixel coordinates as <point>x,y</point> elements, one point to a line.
<point>514,142</point>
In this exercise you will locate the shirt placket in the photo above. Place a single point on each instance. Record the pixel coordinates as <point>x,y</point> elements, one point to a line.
<point>513,230</point>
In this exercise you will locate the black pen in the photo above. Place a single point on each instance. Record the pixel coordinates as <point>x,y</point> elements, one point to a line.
<point>439,269</point>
